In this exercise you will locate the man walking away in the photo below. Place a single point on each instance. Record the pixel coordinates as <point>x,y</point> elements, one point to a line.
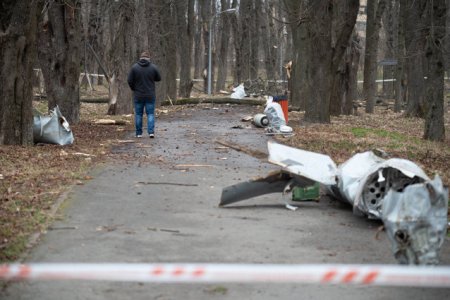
<point>141,79</point>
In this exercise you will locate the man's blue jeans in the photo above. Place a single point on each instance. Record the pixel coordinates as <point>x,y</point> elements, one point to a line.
<point>149,105</point>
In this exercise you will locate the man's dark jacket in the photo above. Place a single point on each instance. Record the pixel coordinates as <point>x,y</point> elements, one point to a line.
<point>142,78</point>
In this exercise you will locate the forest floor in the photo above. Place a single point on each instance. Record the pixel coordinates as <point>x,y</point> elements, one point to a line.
<point>33,179</point>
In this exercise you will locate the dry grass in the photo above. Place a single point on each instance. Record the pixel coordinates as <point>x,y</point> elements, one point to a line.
<point>33,177</point>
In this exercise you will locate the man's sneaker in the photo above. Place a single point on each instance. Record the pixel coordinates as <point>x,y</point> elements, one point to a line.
<point>138,135</point>
<point>151,135</point>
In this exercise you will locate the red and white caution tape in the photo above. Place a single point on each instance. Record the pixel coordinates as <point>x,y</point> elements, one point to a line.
<point>386,275</point>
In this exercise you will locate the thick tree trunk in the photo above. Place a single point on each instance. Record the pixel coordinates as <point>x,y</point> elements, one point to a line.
<point>322,50</point>
<point>434,122</point>
<point>185,38</point>
<point>414,19</point>
<point>59,56</point>
<point>298,76</point>
<point>375,10</point>
<point>17,52</point>
<point>345,84</point>
<point>120,101</point>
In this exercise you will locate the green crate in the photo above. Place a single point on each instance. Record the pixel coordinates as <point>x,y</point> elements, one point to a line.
<point>306,193</point>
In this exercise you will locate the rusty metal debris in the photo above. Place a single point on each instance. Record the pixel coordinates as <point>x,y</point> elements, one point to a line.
<point>397,191</point>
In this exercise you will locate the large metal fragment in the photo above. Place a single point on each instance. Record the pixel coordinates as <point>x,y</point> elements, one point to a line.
<point>52,129</point>
<point>365,179</point>
<point>275,182</point>
<point>416,221</point>
<point>396,191</point>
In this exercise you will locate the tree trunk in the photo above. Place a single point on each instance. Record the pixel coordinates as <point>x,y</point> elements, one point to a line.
<point>59,56</point>
<point>168,40</point>
<point>270,44</point>
<point>185,38</point>
<point>198,49</point>
<point>390,28</point>
<point>245,21</point>
<point>18,22</point>
<point>237,34</point>
<point>298,76</point>
<point>345,84</point>
<point>206,17</point>
<point>120,101</point>
<point>322,50</point>
<point>434,122</point>
<point>352,94</point>
<point>156,45</point>
<point>400,74</point>
<point>222,64</point>
<point>414,19</point>
<point>254,38</point>
<point>375,10</point>
<point>447,40</point>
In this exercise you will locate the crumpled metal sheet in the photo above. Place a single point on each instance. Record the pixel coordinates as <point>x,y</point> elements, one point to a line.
<point>416,221</point>
<point>52,129</point>
<point>315,166</point>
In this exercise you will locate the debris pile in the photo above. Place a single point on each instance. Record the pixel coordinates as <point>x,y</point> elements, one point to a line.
<point>397,191</point>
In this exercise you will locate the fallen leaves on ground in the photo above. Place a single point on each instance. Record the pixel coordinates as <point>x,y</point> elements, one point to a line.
<point>32,178</point>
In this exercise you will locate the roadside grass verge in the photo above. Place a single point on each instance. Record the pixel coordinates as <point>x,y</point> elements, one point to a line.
<point>32,178</point>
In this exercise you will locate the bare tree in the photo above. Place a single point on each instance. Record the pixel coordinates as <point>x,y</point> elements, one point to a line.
<point>434,122</point>
<point>246,14</point>
<point>345,82</point>
<point>59,56</point>
<point>375,10</point>
<point>121,57</point>
<point>17,52</point>
<point>270,44</point>
<point>321,48</point>
<point>198,48</point>
<point>222,58</point>
<point>185,21</point>
<point>236,28</point>
<point>153,11</point>
<point>447,39</point>
<point>168,41</point>
<point>390,24</point>
<point>414,19</point>
<point>400,79</point>
<point>92,34</point>
<point>254,37</point>
<point>205,11</point>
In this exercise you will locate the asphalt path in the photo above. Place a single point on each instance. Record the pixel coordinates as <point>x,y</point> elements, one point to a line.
<point>159,203</point>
